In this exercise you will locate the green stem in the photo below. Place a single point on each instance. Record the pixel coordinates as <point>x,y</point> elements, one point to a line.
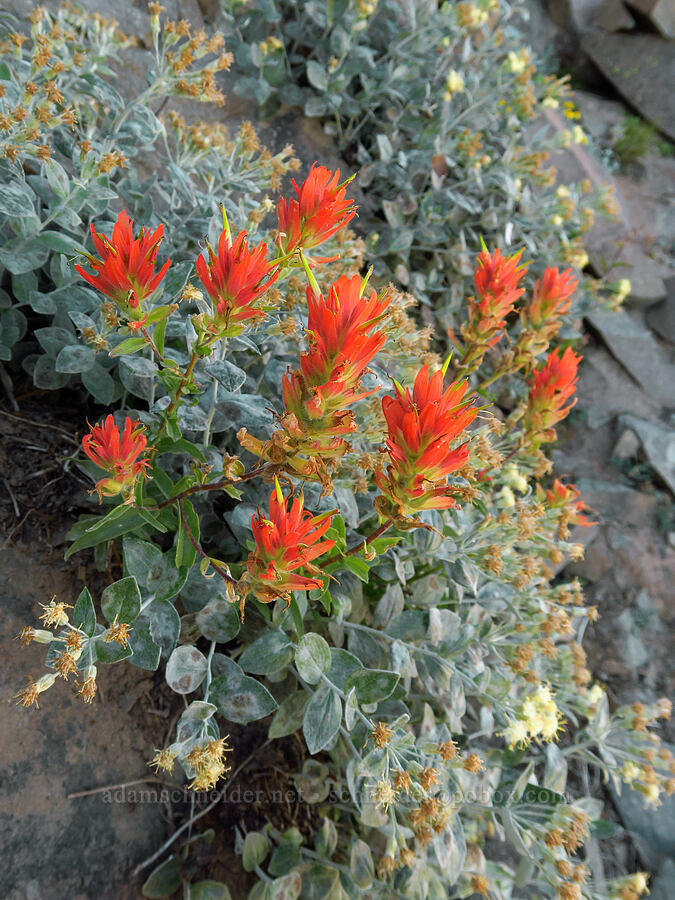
<point>385,526</point>
<point>184,380</point>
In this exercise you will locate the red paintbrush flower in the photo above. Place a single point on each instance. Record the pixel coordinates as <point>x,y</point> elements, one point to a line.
<point>117,453</point>
<point>421,426</point>
<point>290,539</point>
<point>553,385</point>
<point>318,394</point>
<point>341,346</point>
<point>125,271</point>
<point>235,279</point>
<point>551,297</point>
<point>319,209</point>
<point>565,496</point>
<point>497,289</point>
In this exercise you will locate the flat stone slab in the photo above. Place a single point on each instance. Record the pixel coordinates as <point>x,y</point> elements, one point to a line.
<point>659,444</point>
<point>636,348</point>
<point>642,69</point>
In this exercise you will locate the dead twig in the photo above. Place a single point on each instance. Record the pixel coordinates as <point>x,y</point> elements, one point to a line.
<point>116,787</point>
<point>8,388</point>
<point>34,424</point>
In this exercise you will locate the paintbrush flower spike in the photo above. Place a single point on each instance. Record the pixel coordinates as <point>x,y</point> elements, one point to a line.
<point>235,279</point>
<point>287,540</point>
<point>125,269</point>
<point>319,209</point>
<point>422,424</point>
<point>118,453</point>
<point>551,394</point>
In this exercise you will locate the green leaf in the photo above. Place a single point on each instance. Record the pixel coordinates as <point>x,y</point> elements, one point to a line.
<point>164,880</point>
<point>541,795</point>
<point>372,685</point>
<point>109,531</point>
<point>186,669</point>
<point>75,358</point>
<point>411,625</point>
<point>57,177</point>
<point>209,890</point>
<point>164,580</point>
<point>284,858</point>
<point>186,553</point>
<point>312,658</point>
<point>256,848</point>
<point>111,652</point>
<point>21,255</point>
<point>139,558</point>
<point>267,654</point>
<point>164,624</point>
<point>351,709</point>
<point>326,838</point>
<point>145,652</point>
<point>240,698</point>
<point>358,566</point>
<point>342,664</point>
<point>16,200</point>
<point>100,384</point>
<point>361,864</point>
<point>84,613</point>
<point>288,887</point>
<point>121,600</point>
<point>130,345</point>
<point>316,75</point>
<point>59,242</point>
<point>321,719</point>
<point>230,376</point>
<point>288,718</point>
<point>219,620</point>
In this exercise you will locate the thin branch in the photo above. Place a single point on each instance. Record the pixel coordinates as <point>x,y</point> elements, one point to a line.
<point>385,526</point>
<point>115,787</point>
<point>216,568</point>
<point>25,421</point>
<point>213,486</point>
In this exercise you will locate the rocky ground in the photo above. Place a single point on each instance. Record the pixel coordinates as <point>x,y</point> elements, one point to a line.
<point>619,447</point>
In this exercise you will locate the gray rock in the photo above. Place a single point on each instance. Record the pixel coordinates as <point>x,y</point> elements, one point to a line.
<point>661,887</point>
<point>658,441</point>
<point>642,69</point>
<point>617,248</point>
<point>661,13</point>
<point>612,15</point>
<point>597,560</point>
<point>614,502</point>
<point>627,446</point>
<point>653,830</point>
<point>635,347</point>
<point>661,317</point>
<point>601,117</point>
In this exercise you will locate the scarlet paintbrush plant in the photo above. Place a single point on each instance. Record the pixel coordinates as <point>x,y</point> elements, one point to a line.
<point>289,540</point>
<point>549,400</point>
<point>125,270</point>
<point>319,209</point>
<point>542,317</point>
<point>551,299</point>
<point>565,499</point>
<point>421,426</point>
<point>316,396</point>
<point>118,454</point>
<point>235,279</point>
<point>497,281</point>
